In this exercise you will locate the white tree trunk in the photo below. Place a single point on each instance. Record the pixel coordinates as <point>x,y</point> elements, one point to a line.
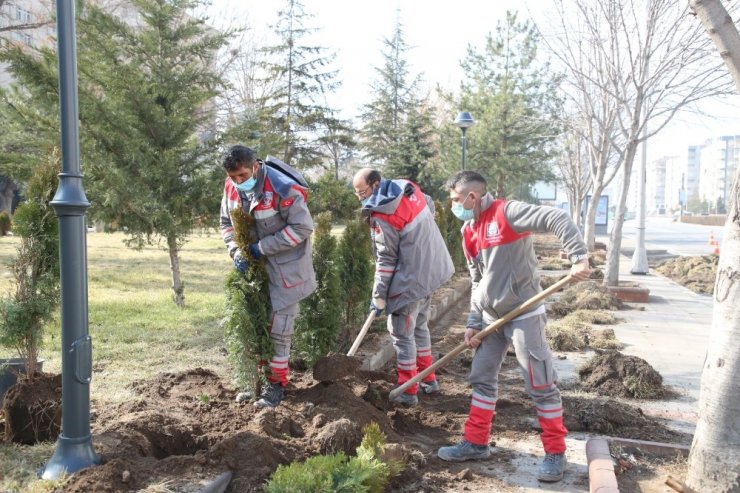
<point>715,452</point>
<point>723,32</point>
<point>615,239</point>
<point>714,462</point>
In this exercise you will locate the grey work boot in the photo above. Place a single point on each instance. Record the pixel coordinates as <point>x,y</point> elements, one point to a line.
<point>429,387</point>
<point>405,399</point>
<point>271,396</point>
<point>464,451</point>
<point>552,468</point>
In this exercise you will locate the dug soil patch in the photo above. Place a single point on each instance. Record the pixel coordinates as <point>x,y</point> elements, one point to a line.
<point>615,374</point>
<point>185,428</point>
<point>696,273</point>
<point>33,409</point>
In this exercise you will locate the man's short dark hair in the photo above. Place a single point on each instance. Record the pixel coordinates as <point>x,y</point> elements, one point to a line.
<point>463,180</point>
<point>373,177</point>
<point>236,156</point>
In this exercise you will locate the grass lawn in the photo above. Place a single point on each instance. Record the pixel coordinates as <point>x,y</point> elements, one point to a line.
<point>137,330</point>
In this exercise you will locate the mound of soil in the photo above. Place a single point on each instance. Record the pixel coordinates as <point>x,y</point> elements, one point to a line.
<point>588,295</point>
<point>335,366</point>
<point>615,374</point>
<point>696,273</point>
<point>189,426</point>
<point>33,409</point>
<point>611,417</point>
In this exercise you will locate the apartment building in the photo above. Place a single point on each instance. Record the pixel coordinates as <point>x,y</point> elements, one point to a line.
<point>27,23</point>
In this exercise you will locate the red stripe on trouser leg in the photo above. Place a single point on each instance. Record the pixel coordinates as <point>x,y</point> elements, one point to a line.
<point>478,426</point>
<point>553,434</point>
<point>406,375</point>
<point>422,363</point>
<point>279,375</point>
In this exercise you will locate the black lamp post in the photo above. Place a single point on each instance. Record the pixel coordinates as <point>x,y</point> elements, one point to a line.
<point>74,449</point>
<point>464,120</point>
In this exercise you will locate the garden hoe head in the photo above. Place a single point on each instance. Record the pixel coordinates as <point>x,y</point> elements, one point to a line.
<point>336,366</point>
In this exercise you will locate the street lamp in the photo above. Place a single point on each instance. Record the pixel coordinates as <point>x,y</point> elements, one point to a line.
<point>464,120</point>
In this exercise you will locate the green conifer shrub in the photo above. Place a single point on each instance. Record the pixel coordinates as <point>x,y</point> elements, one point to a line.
<point>319,322</point>
<point>248,311</point>
<point>450,226</point>
<point>367,472</point>
<point>35,268</point>
<point>356,269</point>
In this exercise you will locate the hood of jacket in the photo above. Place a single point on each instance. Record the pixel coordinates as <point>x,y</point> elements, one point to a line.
<point>387,196</point>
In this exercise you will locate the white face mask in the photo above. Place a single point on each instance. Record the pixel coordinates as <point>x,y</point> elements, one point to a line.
<point>461,212</point>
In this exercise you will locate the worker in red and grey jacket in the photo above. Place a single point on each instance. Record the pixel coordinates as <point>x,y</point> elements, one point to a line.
<point>503,269</point>
<point>275,194</point>
<point>411,261</point>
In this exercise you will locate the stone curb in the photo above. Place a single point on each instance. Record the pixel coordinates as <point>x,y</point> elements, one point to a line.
<point>601,476</point>
<point>379,358</point>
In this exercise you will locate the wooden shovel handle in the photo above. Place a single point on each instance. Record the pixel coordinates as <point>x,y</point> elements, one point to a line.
<point>496,325</point>
<point>361,335</point>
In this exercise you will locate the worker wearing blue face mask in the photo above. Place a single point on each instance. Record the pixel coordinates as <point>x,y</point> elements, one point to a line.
<point>411,261</point>
<point>503,269</point>
<point>275,195</point>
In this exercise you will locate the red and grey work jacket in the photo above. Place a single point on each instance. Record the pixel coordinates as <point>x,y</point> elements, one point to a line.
<point>411,258</point>
<point>501,259</point>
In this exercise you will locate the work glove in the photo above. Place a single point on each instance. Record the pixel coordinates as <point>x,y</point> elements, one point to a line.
<point>377,305</point>
<point>240,262</point>
<point>254,249</point>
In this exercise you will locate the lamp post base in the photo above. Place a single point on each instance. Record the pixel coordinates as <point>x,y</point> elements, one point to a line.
<point>70,455</point>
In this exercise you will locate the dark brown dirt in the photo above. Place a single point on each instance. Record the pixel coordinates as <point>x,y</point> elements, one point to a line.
<point>696,273</point>
<point>33,409</point>
<point>187,426</point>
<point>615,374</point>
<point>335,366</point>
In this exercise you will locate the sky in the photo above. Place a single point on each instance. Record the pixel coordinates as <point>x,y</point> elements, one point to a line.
<point>438,32</point>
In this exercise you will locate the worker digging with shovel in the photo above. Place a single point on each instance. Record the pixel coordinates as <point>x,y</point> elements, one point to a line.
<point>411,262</point>
<point>503,269</point>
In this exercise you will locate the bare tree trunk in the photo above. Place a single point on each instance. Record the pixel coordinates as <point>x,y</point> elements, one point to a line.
<point>178,287</point>
<point>590,219</point>
<point>722,30</point>
<point>715,451</point>
<point>615,239</point>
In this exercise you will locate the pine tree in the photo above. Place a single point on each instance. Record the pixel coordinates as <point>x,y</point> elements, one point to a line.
<point>319,322</point>
<point>300,77</point>
<point>516,106</point>
<point>146,98</point>
<point>397,131</point>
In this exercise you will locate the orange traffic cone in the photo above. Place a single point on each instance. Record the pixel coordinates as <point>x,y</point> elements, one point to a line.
<point>716,248</point>
<point>712,241</point>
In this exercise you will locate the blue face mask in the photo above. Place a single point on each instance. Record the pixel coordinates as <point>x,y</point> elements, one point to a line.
<point>246,186</point>
<point>461,212</point>
<point>365,201</point>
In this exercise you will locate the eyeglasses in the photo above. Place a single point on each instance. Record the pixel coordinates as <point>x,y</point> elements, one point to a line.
<point>363,193</point>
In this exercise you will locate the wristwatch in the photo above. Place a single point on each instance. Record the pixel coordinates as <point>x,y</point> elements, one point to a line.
<point>575,258</point>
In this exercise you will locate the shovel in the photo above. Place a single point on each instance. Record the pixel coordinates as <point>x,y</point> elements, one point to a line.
<point>361,335</point>
<point>336,366</point>
<point>495,326</point>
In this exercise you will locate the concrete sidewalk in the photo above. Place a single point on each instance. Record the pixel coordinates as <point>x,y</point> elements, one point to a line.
<point>672,334</point>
